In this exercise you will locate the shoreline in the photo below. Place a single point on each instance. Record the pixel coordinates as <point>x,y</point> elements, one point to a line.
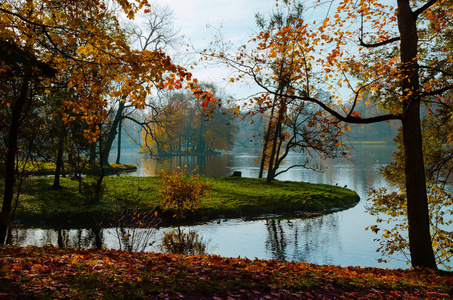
<point>83,220</point>
<point>232,197</point>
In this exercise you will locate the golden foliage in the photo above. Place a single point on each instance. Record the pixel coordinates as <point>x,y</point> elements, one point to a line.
<point>85,42</point>
<point>182,191</point>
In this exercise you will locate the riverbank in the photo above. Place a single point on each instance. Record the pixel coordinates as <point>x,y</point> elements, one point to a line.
<point>55,273</point>
<point>48,168</point>
<point>232,197</point>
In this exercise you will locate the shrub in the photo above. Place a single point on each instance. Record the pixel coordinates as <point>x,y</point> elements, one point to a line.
<point>182,191</point>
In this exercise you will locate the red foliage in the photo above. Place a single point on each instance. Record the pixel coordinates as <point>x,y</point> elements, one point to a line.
<point>34,272</point>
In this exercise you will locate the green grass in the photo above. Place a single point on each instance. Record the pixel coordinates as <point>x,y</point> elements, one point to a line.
<point>48,168</point>
<point>231,197</point>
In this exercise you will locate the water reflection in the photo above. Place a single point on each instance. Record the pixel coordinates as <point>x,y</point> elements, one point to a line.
<point>337,238</point>
<point>302,239</point>
<point>276,241</point>
<point>182,242</point>
<point>213,165</point>
<point>77,238</point>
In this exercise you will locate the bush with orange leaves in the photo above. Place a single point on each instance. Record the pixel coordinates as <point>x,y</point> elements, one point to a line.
<point>182,191</point>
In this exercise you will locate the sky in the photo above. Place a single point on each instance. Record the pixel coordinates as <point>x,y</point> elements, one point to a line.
<point>237,17</point>
<point>234,18</point>
<point>198,20</point>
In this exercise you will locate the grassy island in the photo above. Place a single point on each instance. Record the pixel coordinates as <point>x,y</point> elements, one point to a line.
<point>231,197</point>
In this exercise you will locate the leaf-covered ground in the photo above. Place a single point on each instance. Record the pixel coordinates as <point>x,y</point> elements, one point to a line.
<point>53,273</point>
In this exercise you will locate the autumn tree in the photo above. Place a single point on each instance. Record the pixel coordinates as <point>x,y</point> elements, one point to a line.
<point>164,134</point>
<point>291,125</point>
<point>185,125</point>
<point>47,40</point>
<point>156,33</point>
<point>20,71</point>
<point>391,206</point>
<point>274,136</point>
<point>404,75</point>
<point>397,50</point>
<point>215,124</point>
<point>21,140</point>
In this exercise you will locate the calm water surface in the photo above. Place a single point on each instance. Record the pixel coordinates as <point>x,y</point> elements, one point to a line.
<point>338,238</point>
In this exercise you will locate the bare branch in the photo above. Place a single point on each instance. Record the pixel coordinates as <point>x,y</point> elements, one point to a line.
<point>437,70</point>
<point>439,91</point>
<point>374,45</point>
<point>424,7</point>
<point>352,119</point>
<point>348,118</point>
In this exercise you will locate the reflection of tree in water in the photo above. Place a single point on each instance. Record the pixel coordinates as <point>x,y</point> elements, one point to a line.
<point>98,237</point>
<point>180,242</point>
<point>211,165</point>
<point>18,236</point>
<point>315,237</point>
<point>63,238</point>
<point>308,238</point>
<point>31,236</point>
<point>276,240</point>
<point>80,238</point>
<point>77,238</point>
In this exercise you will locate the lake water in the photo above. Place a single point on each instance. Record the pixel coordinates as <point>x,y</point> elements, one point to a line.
<point>338,238</point>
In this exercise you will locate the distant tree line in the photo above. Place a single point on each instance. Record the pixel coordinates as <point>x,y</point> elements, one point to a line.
<point>183,125</point>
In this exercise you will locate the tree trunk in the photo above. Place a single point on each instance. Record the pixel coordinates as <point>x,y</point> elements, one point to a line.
<point>266,141</point>
<point>112,133</point>
<point>273,158</point>
<point>268,136</point>
<point>201,142</point>
<point>118,152</point>
<point>78,171</point>
<point>10,164</point>
<point>59,164</point>
<point>420,243</point>
<point>270,169</point>
<point>98,188</point>
<point>93,156</point>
